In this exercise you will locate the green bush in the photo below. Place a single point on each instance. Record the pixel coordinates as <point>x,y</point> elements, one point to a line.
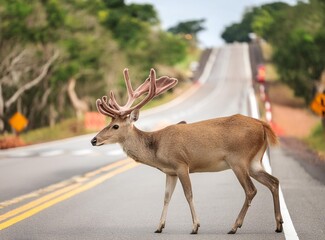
<point>317,138</point>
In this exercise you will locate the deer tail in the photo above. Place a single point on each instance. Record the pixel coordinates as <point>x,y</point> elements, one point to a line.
<point>270,135</point>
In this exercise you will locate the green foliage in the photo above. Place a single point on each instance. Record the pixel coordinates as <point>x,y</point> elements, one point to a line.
<point>130,24</point>
<point>55,15</point>
<point>236,33</point>
<point>31,21</point>
<point>13,19</point>
<point>95,40</point>
<point>298,38</point>
<point>297,35</point>
<point>256,19</point>
<point>297,62</point>
<point>262,22</point>
<point>133,26</point>
<point>129,32</point>
<point>163,48</point>
<point>192,27</point>
<point>172,49</point>
<point>114,3</point>
<point>239,32</point>
<point>143,12</point>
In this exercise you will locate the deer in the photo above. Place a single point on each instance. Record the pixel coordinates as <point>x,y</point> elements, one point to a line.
<point>235,142</point>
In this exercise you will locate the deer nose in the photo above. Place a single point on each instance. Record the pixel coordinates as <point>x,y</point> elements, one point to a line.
<point>94,141</point>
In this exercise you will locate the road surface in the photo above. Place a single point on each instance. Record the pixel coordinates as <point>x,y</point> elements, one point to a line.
<point>71,190</point>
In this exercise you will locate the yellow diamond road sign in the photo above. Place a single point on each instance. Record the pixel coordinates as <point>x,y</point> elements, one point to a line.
<point>318,105</point>
<point>18,121</point>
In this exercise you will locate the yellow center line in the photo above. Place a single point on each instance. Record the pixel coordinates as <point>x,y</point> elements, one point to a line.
<point>74,191</point>
<point>107,167</point>
<point>61,185</point>
<point>37,202</point>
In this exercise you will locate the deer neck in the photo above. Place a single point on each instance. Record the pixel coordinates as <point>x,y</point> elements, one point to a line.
<point>140,146</point>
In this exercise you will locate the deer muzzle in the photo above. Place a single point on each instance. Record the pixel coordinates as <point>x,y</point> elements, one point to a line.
<point>94,141</point>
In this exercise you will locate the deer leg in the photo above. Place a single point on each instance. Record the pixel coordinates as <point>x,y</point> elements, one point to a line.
<point>184,177</point>
<point>170,186</point>
<point>250,192</point>
<point>273,184</point>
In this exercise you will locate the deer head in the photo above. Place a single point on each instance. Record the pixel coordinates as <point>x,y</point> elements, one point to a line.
<point>124,116</point>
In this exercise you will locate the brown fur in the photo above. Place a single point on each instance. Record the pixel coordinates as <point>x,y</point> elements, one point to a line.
<point>237,142</point>
<point>271,137</point>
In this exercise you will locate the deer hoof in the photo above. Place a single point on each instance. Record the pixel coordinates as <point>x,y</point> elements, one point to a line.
<point>195,228</point>
<point>160,227</point>
<point>232,231</point>
<point>279,229</point>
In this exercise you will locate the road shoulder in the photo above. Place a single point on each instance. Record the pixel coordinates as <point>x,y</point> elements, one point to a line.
<point>304,195</point>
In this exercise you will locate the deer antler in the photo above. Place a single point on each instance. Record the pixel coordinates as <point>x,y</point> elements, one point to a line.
<point>151,86</point>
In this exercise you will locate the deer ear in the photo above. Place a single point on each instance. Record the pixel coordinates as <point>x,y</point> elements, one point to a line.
<point>134,116</point>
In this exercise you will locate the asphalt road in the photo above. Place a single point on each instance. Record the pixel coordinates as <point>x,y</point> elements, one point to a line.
<point>71,190</point>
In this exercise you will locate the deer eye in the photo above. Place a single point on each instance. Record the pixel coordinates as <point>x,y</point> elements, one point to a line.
<point>115,127</point>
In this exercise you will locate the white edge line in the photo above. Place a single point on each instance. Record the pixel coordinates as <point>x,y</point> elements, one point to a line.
<point>208,66</point>
<point>115,152</point>
<point>51,153</point>
<point>82,152</point>
<point>288,228</point>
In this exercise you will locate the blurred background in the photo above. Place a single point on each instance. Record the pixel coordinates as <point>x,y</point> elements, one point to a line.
<point>57,57</point>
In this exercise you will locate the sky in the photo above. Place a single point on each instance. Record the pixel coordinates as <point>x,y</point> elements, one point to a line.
<point>217,14</point>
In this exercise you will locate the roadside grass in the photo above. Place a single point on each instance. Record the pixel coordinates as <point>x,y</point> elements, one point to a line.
<point>281,94</point>
<point>65,129</point>
<point>271,71</point>
<point>267,50</point>
<point>316,140</point>
<point>193,56</point>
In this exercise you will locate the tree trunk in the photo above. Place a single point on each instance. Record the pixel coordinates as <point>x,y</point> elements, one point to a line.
<point>52,115</point>
<point>32,83</point>
<point>79,105</point>
<point>2,124</point>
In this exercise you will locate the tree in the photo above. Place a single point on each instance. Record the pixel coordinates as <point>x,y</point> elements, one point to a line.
<point>297,35</point>
<point>235,33</point>
<point>43,46</point>
<point>135,27</point>
<point>265,17</point>
<point>239,32</point>
<point>298,38</point>
<point>114,3</point>
<point>191,28</point>
<point>58,56</point>
<point>143,12</point>
<point>16,72</point>
<point>256,19</point>
<point>23,65</point>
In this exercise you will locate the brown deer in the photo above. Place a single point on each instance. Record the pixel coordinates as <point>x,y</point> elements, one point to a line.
<point>237,142</point>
